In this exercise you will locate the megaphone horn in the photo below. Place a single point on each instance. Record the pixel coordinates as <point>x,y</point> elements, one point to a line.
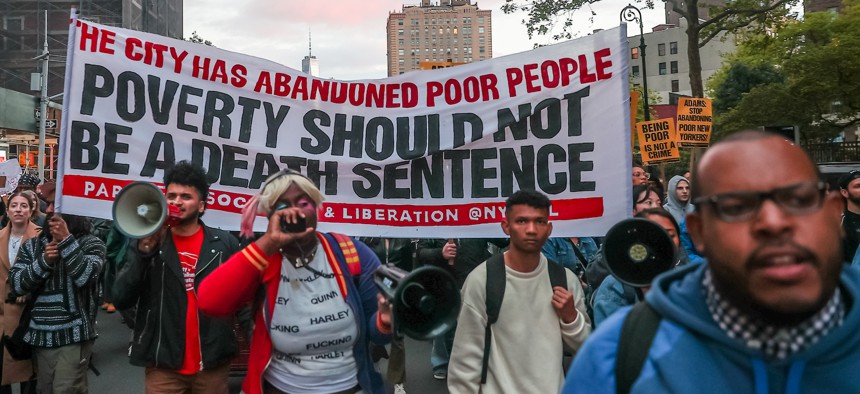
<point>637,250</point>
<point>424,303</point>
<point>139,210</point>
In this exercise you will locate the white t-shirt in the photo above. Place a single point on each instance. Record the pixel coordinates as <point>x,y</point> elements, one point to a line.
<point>14,245</point>
<point>313,331</point>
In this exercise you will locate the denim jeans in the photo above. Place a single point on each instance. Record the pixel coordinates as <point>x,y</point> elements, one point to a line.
<point>441,352</point>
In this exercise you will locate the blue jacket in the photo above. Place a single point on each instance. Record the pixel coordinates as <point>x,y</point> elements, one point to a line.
<point>561,251</point>
<point>691,354</point>
<point>687,245</point>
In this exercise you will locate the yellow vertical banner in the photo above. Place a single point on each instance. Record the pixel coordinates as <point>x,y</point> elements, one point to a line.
<point>634,108</point>
<point>694,122</point>
<point>658,141</point>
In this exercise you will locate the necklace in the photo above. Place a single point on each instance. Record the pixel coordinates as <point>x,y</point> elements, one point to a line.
<point>303,259</point>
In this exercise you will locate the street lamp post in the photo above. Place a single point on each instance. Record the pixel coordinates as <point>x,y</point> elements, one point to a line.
<point>632,14</point>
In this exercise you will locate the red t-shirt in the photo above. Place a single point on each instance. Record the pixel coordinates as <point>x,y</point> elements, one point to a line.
<point>188,249</point>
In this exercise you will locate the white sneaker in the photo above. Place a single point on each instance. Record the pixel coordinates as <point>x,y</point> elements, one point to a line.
<point>399,389</point>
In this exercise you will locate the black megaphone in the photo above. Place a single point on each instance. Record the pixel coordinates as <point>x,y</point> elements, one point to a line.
<point>424,303</point>
<point>637,250</point>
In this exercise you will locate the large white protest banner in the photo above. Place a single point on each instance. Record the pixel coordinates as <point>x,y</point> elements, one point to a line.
<point>423,154</point>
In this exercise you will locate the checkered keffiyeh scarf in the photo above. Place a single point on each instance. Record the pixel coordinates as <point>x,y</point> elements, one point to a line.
<point>776,343</point>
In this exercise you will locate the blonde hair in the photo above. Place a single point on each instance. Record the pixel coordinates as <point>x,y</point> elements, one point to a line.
<point>277,184</point>
<point>273,188</point>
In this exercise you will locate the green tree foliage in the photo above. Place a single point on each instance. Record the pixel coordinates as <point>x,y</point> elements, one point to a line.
<point>555,18</point>
<point>805,73</point>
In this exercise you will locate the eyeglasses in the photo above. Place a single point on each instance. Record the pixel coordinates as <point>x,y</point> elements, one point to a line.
<point>646,174</point>
<point>798,199</point>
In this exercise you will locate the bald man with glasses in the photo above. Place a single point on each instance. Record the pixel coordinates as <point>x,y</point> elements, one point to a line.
<point>773,310</point>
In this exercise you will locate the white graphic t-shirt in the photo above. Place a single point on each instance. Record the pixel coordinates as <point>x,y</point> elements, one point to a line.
<point>313,331</point>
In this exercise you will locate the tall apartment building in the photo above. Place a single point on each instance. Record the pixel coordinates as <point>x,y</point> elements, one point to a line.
<point>822,5</point>
<point>448,31</point>
<point>674,18</point>
<point>666,60</point>
<point>22,32</point>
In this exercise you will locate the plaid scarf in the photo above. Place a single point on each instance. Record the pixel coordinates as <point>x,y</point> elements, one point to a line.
<point>776,343</point>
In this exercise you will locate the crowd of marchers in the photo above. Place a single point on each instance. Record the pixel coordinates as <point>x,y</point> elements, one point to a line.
<point>759,293</point>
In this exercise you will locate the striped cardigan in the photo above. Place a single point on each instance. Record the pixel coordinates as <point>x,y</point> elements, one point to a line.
<point>67,302</point>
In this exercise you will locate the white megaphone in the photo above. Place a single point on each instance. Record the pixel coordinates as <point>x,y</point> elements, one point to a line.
<point>141,210</point>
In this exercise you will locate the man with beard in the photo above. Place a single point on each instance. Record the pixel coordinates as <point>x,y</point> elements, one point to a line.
<point>849,187</point>
<point>60,268</point>
<point>182,350</point>
<point>773,310</point>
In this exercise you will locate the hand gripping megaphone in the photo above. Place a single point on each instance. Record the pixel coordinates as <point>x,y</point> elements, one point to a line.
<point>424,303</point>
<point>637,250</point>
<point>141,210</point>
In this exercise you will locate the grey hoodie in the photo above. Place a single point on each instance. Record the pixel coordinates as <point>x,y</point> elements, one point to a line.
<point>678,209</point>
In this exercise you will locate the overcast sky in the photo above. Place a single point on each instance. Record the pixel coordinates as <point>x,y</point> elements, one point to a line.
<point>349,35</point>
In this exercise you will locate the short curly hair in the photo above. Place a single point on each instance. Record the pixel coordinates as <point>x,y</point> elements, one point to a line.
<point>188,174</point>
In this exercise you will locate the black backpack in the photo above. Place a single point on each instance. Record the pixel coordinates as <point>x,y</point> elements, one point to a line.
<point>496,293</point>
<point>634,343</point>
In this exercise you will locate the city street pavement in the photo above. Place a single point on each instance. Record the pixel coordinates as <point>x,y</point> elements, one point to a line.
<point>110,357</point>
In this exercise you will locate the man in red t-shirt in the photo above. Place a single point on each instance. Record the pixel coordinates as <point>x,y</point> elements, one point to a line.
<point>182,350</point>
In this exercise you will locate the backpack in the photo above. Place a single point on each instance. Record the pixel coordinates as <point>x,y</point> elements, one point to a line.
<point>496,292</point>
<point>634,343</point>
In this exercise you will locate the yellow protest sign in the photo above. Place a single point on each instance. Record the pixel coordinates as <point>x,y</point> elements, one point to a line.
<point>694,122</point>
<point>657,141</point>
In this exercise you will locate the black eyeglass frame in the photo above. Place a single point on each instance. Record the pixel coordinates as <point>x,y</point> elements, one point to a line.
<point>714,200</point>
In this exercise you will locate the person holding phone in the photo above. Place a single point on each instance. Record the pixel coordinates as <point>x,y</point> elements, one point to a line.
<point>181,349</point>
<point>315,304</point>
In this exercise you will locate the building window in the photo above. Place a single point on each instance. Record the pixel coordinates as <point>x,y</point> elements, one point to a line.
<point>481,50</point>
<point>481,19</point>
<point>661,49</point>
<point>399,42</point>
<point>400,62</point>
<point>673,67</point>
<point>400,22</point>
<point>673,48</point>
<point>635,70</point>
<point>481,30</point>
<point>400,52</point>
<point>481,39</point>
<point>13,24</point>
<point>662,67</point>
<point>675,86</point>
<point>634,53</point>
<point>399,32</point>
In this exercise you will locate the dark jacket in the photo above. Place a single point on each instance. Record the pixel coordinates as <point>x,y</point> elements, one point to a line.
<point>470,253</point>
<point>154,284</point>
<point>400,251</point>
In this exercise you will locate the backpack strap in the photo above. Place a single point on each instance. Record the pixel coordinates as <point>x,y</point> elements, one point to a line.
<point>346,247</point>
<point>557,274</point>
<point>637,334</point>
<point>494,295</point>
<point>631,294</point>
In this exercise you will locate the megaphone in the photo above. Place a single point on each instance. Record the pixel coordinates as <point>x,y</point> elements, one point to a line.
<point>141,210</point>
<point>424,303</point>
<point>637,250</point>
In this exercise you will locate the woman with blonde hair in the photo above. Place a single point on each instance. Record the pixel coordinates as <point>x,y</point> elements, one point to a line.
<point>315,303</point>
<point>20,229</point>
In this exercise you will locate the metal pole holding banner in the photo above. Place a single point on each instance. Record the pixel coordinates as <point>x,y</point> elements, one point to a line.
<point>43,102</point>
<point>632,14</point>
